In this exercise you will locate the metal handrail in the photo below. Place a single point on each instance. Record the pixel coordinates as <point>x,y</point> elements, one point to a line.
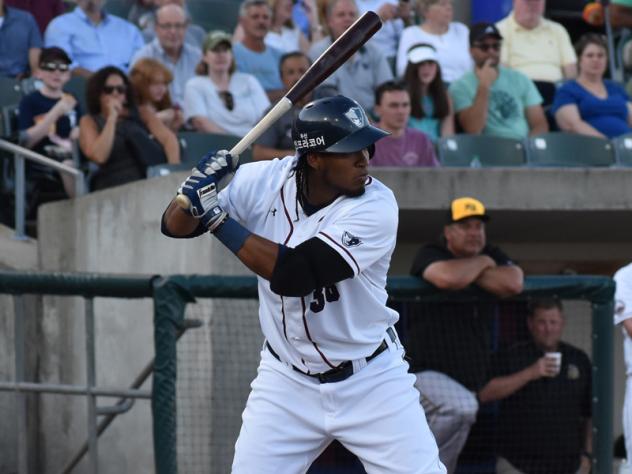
<point>19,155</point>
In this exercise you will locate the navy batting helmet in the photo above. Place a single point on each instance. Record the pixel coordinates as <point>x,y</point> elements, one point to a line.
<point>334,125</point>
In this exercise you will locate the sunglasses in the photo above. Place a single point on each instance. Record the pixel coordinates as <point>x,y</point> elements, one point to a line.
<point>487,46</point>
<point>227,98</point>
<point>63,67</point>
<point>110,89</point>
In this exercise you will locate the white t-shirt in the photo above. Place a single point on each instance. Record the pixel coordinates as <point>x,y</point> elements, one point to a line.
<point>345,321</point>
<point>453,49</point>
<point>249,98</point>
<point>623,309</point>
<point>287,41</point>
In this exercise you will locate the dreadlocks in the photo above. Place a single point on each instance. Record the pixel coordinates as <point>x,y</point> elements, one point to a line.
<point>301,178</point>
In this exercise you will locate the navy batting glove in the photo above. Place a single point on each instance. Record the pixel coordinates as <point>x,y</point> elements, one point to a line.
<point>219,165</point>
<point>202,192</point>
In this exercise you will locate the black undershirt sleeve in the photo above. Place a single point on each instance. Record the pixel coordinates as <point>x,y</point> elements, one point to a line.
<point>198,231</point>
<point>313,264</point>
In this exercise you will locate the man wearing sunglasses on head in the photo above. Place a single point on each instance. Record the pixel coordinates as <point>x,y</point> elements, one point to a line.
<point>493,99</point>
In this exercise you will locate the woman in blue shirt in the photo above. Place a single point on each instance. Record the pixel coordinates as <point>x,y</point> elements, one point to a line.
<point>431,109</point>
<point>590,104</point>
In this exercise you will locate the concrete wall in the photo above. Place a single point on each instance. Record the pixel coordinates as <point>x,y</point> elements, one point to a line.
<point>548,219</point>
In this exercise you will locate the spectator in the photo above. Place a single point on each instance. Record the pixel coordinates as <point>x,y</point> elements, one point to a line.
<point>117,136</point>
<point>93,38</point>
<point>171,50</point>
<point>194,34</point>
<point>150,81</point>
<point>252,55</point>
<point>544,422</point>
<point>447,378</point>
<point>42,10</point>
<point>395,15</point>
<point>493,99</point>
<point>431,107</point>
<point>360,75</point>
<point>20,42</point>
<point>623,318</point>
<point>220,99</point>
<point>48,124</point>
<point>276,141</point>
<point>283,35</point>
<point>539,48</point>
<point>404,146</point>
<point>592,105</point>
<point>449,38</point>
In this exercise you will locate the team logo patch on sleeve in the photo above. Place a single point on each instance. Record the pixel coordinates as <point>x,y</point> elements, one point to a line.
<point>350,240</point>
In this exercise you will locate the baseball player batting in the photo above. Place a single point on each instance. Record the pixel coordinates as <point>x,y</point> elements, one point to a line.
<point>623,317</point>
<point>319,233</point>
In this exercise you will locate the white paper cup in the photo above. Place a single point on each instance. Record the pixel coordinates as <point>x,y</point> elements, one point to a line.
<point>557,358</point>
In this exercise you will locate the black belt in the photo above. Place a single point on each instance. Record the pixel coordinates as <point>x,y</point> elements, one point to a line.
<point>345,369</point>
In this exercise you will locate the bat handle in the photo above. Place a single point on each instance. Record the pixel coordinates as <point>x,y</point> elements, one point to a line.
<point>272,116</point>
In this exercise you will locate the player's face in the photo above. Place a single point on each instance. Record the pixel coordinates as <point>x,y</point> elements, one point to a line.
<point>340,174</point>
<point>546,326</point>
<point>465,238</point>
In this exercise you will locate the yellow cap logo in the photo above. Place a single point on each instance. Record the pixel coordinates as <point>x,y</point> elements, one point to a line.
<point>465,207</point>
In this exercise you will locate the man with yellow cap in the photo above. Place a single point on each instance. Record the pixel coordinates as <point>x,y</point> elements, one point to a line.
<point>450,343</point>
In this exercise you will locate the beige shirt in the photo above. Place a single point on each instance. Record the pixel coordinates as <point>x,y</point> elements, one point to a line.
<point>539,53</point>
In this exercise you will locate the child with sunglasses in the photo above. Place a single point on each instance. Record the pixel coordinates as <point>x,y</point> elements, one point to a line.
<point>48,120</point>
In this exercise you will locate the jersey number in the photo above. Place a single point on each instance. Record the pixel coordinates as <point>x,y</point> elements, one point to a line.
<point>329,294</point>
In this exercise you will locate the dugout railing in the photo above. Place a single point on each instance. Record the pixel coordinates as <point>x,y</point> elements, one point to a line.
<point>172,294</point>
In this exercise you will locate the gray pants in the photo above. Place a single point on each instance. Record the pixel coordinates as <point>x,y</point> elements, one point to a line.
<point>450,409</point>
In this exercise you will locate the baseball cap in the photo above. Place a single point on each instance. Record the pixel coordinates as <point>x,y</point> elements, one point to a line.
<point>54,54</point>
<point>479,31</point>
<point>215,38</point>
<point>420,53</point>
<point>466,207</point>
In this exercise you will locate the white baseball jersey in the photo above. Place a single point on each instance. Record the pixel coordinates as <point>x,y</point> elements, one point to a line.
<point>623,309</point>
<point>345,321</point>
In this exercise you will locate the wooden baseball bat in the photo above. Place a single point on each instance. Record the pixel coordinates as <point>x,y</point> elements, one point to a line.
<point>331,59</point>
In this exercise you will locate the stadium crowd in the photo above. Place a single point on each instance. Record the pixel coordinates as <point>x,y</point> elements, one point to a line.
<point>138,82</point>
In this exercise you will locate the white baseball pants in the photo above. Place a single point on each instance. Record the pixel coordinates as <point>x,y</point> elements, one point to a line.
<point>290,419</point>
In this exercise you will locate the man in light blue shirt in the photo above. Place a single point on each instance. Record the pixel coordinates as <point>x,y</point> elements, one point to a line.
<point>492,99</point>
<point>252,55</point>
<point>93,38</point>
<point>170,48</point>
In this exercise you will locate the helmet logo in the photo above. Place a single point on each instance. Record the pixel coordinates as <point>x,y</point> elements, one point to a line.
<point>356,116</point>
<point>304,142</point>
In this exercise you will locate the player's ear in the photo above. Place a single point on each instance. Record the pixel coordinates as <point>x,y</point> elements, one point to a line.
<point>314,160</point>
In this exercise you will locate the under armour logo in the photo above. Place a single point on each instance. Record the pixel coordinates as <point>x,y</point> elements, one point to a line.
<point>350,240</point>
<point>273,212</point>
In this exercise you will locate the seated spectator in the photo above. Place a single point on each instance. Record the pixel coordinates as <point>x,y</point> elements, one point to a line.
<point>117,136</point>
<point>449,38</point>
<point>539,48</point>
<point>283,35</point>
<point>493,99</point>
<point>150,81</point>
<point>93,38</point>
<point>171,50</point>
<point>431,107</point>
<point>252,55</point>
<point>42,10</point>
<point>48,124</point>
<point>544,422</point>
<point>360,75</point>
<point>20,42</point>
<point>395,16</point>
<point>404,146</point>
<point>448,380</point>
<point>592,105</point>
<point>220,99</point>
<point>194,34</point>
<point>276,141</point>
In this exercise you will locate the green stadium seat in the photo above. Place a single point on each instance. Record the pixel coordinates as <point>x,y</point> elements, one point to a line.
<point>214,14</point>
<point>480,151</point>
<point>569,150</point>
<point>196,144</point>
<point>623,149</point>
<point>119,8</point>
<point>77,87</point>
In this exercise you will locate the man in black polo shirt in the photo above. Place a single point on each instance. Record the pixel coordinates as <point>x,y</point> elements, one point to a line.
<point>544,425</point>
<point>449,343</point>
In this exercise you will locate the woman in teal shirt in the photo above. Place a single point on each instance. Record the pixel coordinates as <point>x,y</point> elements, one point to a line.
<point>431,108</point>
